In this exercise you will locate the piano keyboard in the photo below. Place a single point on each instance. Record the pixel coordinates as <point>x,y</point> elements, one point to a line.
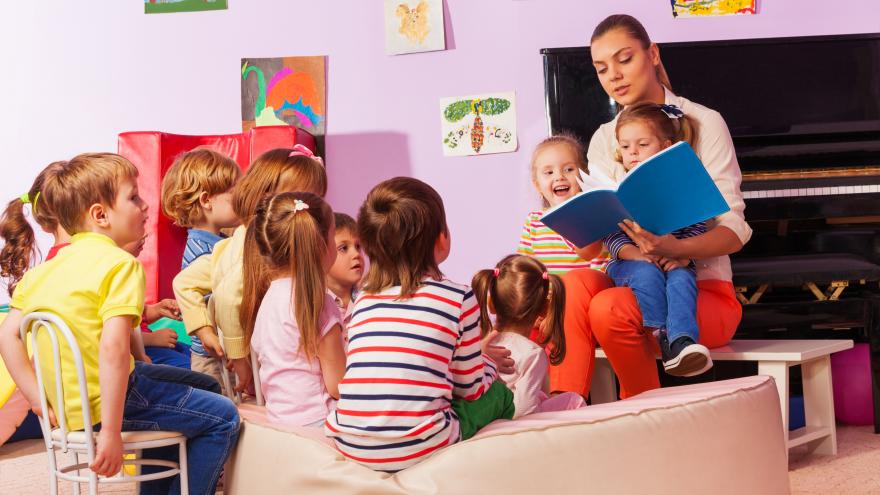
<point>812,191</point>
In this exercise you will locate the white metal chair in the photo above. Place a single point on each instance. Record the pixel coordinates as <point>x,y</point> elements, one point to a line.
<point>83,442</point>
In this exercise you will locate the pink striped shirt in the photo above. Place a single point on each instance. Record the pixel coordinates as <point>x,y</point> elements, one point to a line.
<point>557,254</point>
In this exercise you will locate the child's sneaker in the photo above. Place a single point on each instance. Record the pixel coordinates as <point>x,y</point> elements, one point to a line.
<point>684,357</point>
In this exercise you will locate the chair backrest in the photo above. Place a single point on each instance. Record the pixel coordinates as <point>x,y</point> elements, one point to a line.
<point>51,324</point>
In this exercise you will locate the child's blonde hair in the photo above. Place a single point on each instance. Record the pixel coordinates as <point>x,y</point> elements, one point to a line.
<point>277,170</point>
<point>201,170</point>
<point>288,233</point>
<point>19,242</point>
<point>657,117</point>
<point>71,189</point>
<point>521,290</point>
<point>563,139</point>
<point>399,224</point>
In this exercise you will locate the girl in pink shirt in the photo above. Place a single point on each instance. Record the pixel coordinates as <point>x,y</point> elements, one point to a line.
<point>528,303</point>
<point>293,324</point>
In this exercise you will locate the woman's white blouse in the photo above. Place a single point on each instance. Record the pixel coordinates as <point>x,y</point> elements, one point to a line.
<point>715,149</point>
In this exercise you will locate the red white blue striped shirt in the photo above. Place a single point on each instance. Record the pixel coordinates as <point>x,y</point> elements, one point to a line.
<point>407,359</point>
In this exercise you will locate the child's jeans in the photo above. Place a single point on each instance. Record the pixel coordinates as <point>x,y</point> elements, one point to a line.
<point>209,421</point>
<point>666,299</point>
<point>178,356</point>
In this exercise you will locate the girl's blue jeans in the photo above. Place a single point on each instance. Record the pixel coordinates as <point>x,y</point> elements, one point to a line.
<point>667,299</point>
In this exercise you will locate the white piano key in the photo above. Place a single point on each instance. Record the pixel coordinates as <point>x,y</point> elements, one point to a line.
<point>762,194</point>
<point>849,190</point>
<point>873,188</point>
<point>826,191</point>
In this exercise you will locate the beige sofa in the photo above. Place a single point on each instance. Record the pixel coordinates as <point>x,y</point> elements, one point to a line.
<point>722,437</point>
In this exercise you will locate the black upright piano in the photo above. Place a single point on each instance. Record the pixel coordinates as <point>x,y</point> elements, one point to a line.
<point>804,114</point>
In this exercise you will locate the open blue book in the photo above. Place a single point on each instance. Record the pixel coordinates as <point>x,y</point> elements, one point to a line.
<point>666,192</point>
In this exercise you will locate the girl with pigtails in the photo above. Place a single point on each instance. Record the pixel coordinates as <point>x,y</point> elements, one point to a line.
<point>528,303</point>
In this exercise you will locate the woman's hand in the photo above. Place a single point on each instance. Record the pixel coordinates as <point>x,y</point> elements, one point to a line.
<point>650,244</point>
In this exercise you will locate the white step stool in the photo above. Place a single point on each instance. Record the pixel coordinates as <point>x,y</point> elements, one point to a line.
<point>774,357</point>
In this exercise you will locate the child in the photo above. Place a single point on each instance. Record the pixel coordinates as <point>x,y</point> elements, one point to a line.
<point>299,348</point>
<point>98,289</point>
<point>220,273</point>
<point>524,296</point>
<point>19,243</point>
<point>348,270</point>
<point>666,289</point>
<point>414,353</point>
<point>555,165</point>
<point>197,195</point>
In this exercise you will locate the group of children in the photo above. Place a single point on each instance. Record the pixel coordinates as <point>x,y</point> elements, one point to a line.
<point>394,362</point>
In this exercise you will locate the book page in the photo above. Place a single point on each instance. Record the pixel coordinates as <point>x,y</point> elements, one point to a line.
<point>596,179</point>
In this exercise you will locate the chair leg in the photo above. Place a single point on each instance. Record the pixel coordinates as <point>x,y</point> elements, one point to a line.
<point>53,474</point>
<point>76,483</point>
<point>184,469</point>
<point>93,483</point>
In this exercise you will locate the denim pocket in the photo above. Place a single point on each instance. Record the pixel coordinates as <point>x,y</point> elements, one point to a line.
<point>135,399</point>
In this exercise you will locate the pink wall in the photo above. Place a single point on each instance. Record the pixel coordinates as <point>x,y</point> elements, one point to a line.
<point>79,73</point>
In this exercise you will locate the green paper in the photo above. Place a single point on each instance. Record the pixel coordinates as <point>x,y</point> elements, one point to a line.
<point>175,325</point>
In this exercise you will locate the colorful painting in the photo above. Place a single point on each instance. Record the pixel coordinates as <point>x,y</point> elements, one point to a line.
<point>166,6</point>
<point>705,8</point>
<point>413,26</point>
<point>479,125</point>
<point>284,91</point>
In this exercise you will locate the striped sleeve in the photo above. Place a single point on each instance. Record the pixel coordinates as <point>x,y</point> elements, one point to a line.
<point>614,242</point>
<point>694,230</point>
<point>525,239</point>
<point>472,373</point>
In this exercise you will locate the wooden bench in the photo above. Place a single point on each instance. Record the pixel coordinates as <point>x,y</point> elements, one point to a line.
<point>774,357</point>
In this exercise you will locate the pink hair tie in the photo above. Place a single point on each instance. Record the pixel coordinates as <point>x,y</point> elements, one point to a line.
<point>497,271</point>
<point>300,150</point>
<point>545,276</point>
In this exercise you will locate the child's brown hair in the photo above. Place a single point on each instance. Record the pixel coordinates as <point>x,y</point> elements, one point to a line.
<point>668,122</point>
<point>344,222</point>
<point>277,170</point>
<point>85,180</point>
<point>563,139</point>
<point>19,243</point>
<point>521,290</point>
<point>288,237</point>
<point>193,173</point>
<point>399,224</point>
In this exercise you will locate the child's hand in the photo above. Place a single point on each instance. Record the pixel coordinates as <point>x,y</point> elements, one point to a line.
<point>632,253</point>
<point>243,373</point>
<point>210,341</point>
<point>166,307</point>
<point>108,458</point>
<point>164,337</point>
<point>501,355</point>
<point>38,411</point>
<point>669,264</point>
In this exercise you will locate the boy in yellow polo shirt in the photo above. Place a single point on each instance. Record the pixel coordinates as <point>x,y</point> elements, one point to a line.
<point>98,289</point>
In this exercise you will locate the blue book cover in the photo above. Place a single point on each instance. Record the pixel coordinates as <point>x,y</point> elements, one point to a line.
<point>669,191</point>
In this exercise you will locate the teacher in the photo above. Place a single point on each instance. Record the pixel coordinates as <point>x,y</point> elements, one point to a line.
<point>630,70</point>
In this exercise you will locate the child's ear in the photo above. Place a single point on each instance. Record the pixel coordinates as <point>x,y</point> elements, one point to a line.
<point>667,143</point>
<point>205,201</point>
<point>97,215</point>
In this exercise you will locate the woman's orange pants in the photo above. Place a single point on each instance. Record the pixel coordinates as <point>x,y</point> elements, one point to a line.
<point>597,313</point>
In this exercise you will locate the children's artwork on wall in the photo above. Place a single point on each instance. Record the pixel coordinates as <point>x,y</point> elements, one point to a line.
<point>166,6</point>
<point>479,125</point>
<point>413,26</point>
<point>284,91</point>
<point>706,8</point>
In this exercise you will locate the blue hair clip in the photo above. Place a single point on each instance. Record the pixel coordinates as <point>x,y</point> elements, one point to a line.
<point>672,111</point>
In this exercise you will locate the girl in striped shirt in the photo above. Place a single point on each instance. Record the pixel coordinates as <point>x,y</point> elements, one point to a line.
<point>555,165</point>
<point>416,379</point>
<point>665,288</point>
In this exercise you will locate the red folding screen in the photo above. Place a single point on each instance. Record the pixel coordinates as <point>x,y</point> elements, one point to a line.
<point>153,153</point>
